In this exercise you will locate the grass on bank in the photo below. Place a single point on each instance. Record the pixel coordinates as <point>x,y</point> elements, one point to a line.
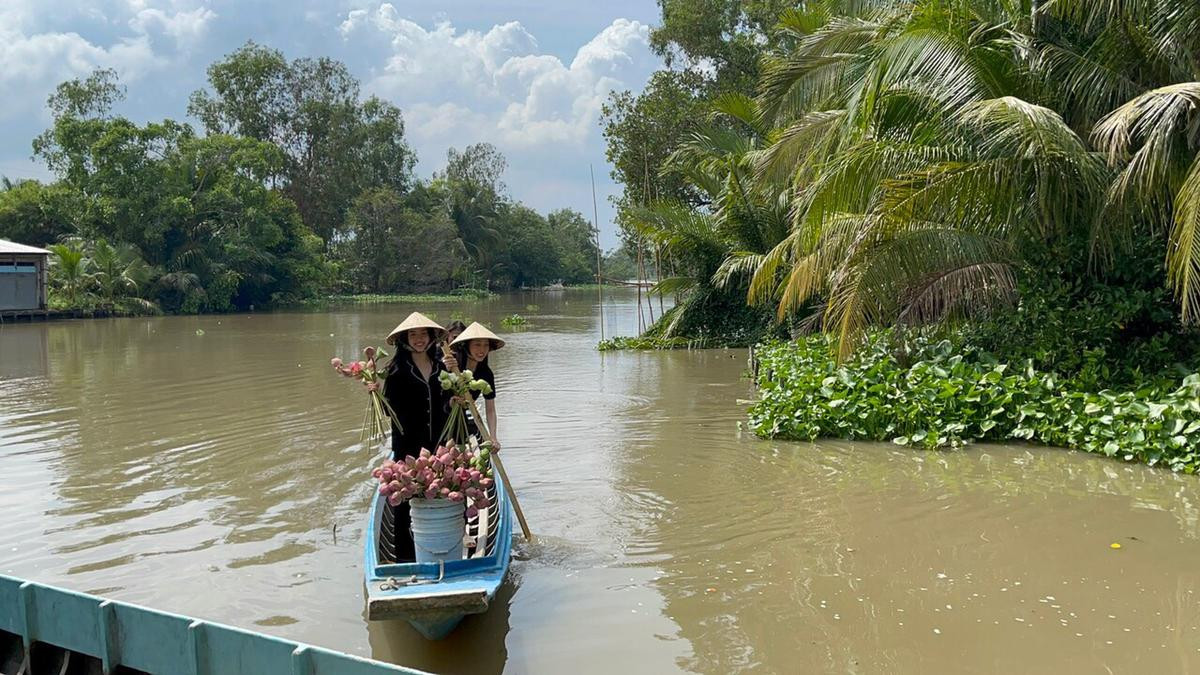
<point>936,393</point>
<point>652,343</point>
<point>386,298</point>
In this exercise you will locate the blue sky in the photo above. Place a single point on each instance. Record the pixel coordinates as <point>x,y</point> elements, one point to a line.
<point>526,76</point>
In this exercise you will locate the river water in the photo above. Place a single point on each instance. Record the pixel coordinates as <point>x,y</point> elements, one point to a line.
<point>210,466</point>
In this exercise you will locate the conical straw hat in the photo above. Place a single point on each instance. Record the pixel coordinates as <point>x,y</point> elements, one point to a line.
<point>415,320</point>
<point>477,331</point>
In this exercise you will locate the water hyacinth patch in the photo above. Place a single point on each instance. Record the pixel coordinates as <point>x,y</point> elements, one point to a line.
<point>449,472</point>
<point>926,393</point>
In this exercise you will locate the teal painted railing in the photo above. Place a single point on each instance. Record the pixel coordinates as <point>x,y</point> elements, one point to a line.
<point>121,634</point>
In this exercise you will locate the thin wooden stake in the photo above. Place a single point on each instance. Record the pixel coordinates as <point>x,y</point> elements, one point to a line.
<point>658,273</point>
<point>641,320</point>
<point>599,252</point>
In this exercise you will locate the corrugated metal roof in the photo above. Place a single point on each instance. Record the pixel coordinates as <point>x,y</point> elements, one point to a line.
<point>13,247</point>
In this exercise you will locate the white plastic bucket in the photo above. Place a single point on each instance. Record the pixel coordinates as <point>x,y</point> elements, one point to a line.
<point>438,528</point>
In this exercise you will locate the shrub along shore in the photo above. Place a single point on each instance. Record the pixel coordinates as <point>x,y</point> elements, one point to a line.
<point>931,393</point>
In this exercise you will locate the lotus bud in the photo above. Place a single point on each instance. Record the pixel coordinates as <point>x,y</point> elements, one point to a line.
<point>472,512</point>
<point>395,499</point>
<point>336,362</point>
<point>455,496</point>
<point>485,482</point>
<point>445,492</point>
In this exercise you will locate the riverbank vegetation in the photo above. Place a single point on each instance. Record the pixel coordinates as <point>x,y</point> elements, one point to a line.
<point>1024,178</point>
<point>291,186</point>
<point>925,392</point>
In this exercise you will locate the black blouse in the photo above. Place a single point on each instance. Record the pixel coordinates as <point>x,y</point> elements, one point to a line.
<point>419,404</point>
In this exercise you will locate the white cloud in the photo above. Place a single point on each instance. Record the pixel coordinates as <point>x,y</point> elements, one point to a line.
<point>461,86</point>
<point>185,27</point>
<point>34,58</point>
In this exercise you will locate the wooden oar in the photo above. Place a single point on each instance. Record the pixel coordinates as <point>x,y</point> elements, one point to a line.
<point>508,487</point>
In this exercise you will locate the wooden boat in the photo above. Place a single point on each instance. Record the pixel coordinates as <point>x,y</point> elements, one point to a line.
<point>435,597</point>
<point>44,629</point>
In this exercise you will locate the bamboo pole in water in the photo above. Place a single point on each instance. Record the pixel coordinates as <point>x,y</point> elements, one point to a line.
<point>641,320</point>
<point>658,273</point>
<point>599,256</point>
<point>649,296</point>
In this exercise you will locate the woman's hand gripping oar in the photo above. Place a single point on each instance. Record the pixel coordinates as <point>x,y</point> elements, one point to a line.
<point>495,457</point>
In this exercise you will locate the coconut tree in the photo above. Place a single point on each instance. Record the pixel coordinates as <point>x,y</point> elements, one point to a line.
<point>1133,69</point>
<point>919,167</point>
<point>120,272</point>
<point>70,271</point>
<point>709,248</point>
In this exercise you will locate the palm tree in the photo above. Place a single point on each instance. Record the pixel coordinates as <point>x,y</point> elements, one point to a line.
<point>916,173</point>
<point>70,271</point>
<point>1133,68</point>
<point>120,270</point>
<point>710,249</point>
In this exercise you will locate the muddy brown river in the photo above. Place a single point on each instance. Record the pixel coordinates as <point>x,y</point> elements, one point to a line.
<point>210,466</point>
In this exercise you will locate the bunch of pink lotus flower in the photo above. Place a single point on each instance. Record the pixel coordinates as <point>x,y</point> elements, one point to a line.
<point>379,417</point>
<point>447,473</point>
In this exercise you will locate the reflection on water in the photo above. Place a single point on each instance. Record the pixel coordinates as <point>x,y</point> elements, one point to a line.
<point>210,466</point>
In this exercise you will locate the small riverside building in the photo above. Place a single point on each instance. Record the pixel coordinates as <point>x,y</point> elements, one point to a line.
<point>23,274</point>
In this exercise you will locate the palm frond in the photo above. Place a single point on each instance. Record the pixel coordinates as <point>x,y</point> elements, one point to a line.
<point>736,265</point>
<point>673,285</point>
<point>973,288</point>
<point>1183,254</point>
<point>1153,122</point>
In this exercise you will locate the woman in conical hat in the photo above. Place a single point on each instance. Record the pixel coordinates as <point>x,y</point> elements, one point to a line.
<point>412,388</point>
<point>470,351</point>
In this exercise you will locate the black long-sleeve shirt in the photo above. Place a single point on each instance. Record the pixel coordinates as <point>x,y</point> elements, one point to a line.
<point>420,404</point>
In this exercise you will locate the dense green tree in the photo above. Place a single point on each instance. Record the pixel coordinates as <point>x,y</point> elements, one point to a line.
<point>531,249</point>
<point>198,209</point>
<point>37,214</point>
<point>642,131</point>
<point>335,145</point>
<point>723,38</point>
<point>576,242</point>
<point>396,245</point>
<point>474,195</point>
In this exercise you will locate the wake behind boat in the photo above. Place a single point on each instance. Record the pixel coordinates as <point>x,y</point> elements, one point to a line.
<point>434,597</point>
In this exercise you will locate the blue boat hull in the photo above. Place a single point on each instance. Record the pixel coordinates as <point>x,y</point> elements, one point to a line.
<point>48,629</point>
<point>434,598</point>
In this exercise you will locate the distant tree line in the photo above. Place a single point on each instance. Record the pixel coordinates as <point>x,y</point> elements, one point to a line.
<point>293,185</point>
